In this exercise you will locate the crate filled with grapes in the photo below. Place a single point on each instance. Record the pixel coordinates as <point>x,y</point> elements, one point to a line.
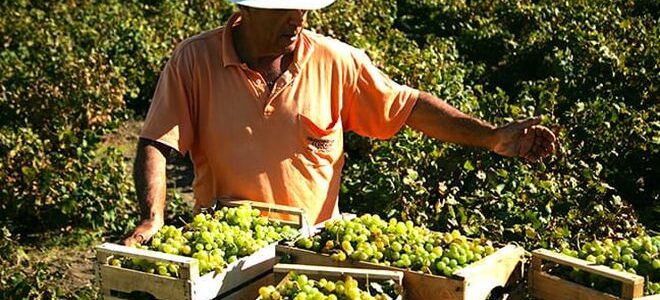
<point>626,269</point>
<point>436,265</point>
<point>213,254</point>
<point>301,282</point>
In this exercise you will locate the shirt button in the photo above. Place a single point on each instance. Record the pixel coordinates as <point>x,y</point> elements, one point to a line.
<point>269,110</point>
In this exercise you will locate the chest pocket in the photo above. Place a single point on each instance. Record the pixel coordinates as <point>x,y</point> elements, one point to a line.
<point>319,146</point>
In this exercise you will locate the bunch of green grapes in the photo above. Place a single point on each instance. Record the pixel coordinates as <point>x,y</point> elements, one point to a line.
<point>215,240</point>
<point>400,244</point>
<point>299,287</point>
<point>636,255</point>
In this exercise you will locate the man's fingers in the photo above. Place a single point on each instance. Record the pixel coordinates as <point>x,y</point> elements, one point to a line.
<point>534,156</point>
<point>130,241</point>
<point>529,157</point>
<point>529,139</point>
<point>139,236</point>
<point>544,132</point>
<point>540,148</point>
<point>529,122</point>
<point>142,233</point>
<point>548,140</point>
<point>549,146</point>
<point>549,135</point>
<point>535,142</point>
<point>545,139</point>
<point>525,142</point>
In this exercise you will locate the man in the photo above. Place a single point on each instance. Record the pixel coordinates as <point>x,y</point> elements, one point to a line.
<point>261,105</point>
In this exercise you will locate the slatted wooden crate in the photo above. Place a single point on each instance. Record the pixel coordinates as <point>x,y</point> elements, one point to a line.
<point>190,285</point>
<point>474,282</point>
<point>250,291</point>
<point>364,276</point>
<point>546,286</point>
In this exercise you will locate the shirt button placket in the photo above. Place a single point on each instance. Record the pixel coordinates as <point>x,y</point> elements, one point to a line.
<point>260,87</point>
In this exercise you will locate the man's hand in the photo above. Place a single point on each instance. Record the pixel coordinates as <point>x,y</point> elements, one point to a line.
<point>144,232</point>
<point>524,138</point>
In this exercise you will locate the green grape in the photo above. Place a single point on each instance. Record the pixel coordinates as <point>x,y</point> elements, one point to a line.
<point>162,270</point>
<point>155,242</point>
<point>656,263</point>
<point>397,247</point>
<point>115,262</point>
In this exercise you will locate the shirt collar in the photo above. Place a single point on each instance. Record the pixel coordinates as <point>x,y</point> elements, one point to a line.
<point>302,51</point>
<point>229,56</point>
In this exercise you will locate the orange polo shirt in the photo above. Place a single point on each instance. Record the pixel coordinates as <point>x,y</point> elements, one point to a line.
<point>283,145</point>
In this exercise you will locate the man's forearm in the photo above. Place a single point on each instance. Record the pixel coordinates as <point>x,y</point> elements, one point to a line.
<point>439,120</point>
<point>150,179</point>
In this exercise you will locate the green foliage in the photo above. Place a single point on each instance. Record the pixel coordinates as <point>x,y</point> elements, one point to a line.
<point>60,94</point>
<point>70,68</point>
<point>146,32</point>
<point>49,183</point>
<point>52,77</point>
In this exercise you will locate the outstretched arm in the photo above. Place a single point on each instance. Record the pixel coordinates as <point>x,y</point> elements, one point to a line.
<point>150,183</point>
<point>439,120</point>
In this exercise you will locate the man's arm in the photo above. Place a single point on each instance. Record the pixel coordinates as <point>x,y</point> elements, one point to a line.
<point>150,183</point>
<point>439,120</point>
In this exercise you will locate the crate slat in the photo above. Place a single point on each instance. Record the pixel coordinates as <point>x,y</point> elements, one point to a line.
<point>188,266</point>
<point>251,290</point>
<point>547,286</point>
<point>375,274</point>
<point>161,287</point>
<point>301,217</point>
<point>492,271</point>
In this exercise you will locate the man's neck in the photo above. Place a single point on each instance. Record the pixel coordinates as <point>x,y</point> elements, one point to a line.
<point>251,50</point>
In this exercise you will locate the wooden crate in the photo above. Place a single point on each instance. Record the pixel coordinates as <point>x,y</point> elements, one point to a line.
<point>190,284</point>
<point>543,285</point>
<point>364,276</point>
<point>250,291</point>
<point>474,282</point>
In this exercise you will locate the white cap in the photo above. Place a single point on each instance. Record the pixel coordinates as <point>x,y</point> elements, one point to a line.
<point>285,4</point>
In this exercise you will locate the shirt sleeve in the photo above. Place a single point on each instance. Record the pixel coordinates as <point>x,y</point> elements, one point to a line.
<point>376,105</point>
<point>169,120</point>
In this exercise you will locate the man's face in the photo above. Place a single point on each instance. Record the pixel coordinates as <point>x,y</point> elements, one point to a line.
<point>277,29</point>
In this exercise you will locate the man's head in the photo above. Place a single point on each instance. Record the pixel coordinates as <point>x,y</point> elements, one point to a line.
<point>276,29</point>
<point>276,24</point>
